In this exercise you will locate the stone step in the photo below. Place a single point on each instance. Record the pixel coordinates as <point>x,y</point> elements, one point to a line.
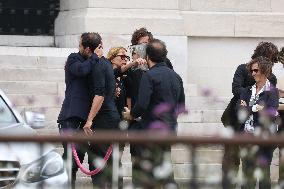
<point>202,156</point>
<point>191,90</point>
<point>122,4</point>
<point>202,129</point>
<point>21,40</point>
<point>184,171</point>
<point>206,103</point>
<point>203,170</point>
<point>50,101</point>
<point>201,116</point>
<point>30,87</point>
<point>33,74</point>
<point>27,62</point>
<point>36,51</point>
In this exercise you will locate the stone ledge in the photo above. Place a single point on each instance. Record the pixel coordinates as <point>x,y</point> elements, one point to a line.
<point>37,51</point>
<point>183,23</point>
<point>259,25</point>
<point>21,40</point>
<point>231,5</point>
<point>105,20</point>
<point>119,4</point>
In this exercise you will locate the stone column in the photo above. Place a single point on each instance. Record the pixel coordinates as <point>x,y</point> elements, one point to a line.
<point>116,18</point>
<point>116,21</point>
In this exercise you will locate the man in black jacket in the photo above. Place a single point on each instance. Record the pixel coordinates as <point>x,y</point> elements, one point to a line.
<point>242,79</point>
<point>77,101</point>
<point>160,99</point>
<point>103,114</point>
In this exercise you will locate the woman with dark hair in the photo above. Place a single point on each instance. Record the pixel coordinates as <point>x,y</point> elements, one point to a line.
<point>242,79</point>
<point>259,103</point>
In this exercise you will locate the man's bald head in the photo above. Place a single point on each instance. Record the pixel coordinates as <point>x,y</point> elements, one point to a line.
<point>156,51</point>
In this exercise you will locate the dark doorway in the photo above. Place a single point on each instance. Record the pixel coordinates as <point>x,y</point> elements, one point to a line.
<point>28,17</point>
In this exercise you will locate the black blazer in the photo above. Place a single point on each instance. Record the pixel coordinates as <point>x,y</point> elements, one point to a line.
<point>269,99</point>
<point>242,79</point>
<point>77,101</point>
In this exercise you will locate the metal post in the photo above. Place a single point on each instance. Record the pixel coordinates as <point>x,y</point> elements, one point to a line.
<point>193,183</point>
<point>115,165</point>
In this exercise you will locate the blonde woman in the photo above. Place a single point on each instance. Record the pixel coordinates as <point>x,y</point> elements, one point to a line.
<point>121,63</point>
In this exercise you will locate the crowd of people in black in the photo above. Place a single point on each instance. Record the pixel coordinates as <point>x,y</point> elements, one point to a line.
<point>102,91</point>
<point>143,89</point>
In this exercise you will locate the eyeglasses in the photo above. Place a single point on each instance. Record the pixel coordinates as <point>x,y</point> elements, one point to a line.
<point>254,70</point>
<point>123,57</point>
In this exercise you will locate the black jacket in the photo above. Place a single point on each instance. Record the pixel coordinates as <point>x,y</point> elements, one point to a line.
<point>269,99</point>
<point>160,94</point>
<point>242,79</point>
<point>77,101</point>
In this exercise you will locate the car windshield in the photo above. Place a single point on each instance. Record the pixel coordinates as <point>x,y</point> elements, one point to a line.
<point>6,115</point>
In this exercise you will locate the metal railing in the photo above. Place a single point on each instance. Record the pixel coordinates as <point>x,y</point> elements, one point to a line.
<point>150,137</point>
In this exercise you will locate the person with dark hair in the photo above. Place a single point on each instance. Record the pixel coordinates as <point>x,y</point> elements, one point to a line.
<point>160,88</point>
<point>268,50</point>
<point>103,114</point>
<point>140,36</point>
<point>242,79</point>
<point>77,101</point>
<point>260,103</point>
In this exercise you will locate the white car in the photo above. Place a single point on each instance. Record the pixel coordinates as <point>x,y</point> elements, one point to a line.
<point>27,165</point>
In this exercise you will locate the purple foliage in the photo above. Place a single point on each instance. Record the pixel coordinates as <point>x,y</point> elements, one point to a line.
<point>159,126</point>
<point>271,112</point>
<point>30,100</point>
<point>206,92</point>
<point>58,100</point>
<point>162,108</point>
<point>262,161</point>
<point>180,110</point>
<point>43,110</point>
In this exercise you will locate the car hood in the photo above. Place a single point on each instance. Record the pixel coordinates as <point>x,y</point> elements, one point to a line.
<point>24,152</point>
<point>17,129</point>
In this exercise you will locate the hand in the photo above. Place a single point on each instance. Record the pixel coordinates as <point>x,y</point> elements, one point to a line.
<point>139,61</point>
<point>87,128</point>
<point>259,107</point>
<point>117,91</point>
<point>126,114</point>
<point>99,51</point>
<point>243,103</point>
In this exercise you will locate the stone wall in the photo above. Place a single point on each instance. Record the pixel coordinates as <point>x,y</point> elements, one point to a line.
<point>206,39</point>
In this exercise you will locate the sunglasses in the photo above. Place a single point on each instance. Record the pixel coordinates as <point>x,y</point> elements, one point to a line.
<point>123,57</point>
<point>254,70</point>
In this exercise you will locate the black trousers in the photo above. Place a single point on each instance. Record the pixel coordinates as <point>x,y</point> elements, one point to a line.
<point>146,159</point>
<point>95,154</point>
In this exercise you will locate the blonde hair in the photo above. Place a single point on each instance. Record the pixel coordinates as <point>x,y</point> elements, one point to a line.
<point>112,53</point>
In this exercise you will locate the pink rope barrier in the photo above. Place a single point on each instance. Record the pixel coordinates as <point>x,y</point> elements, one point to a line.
<point>85,170</point>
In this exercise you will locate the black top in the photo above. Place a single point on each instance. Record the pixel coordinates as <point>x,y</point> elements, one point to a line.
<point>242,79</point>
<point>169,64</point>
<point>120,101</point>
<point>160,94</point>
<point>132,83</point>
<point>77,101</point>
<point>102,83</point>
